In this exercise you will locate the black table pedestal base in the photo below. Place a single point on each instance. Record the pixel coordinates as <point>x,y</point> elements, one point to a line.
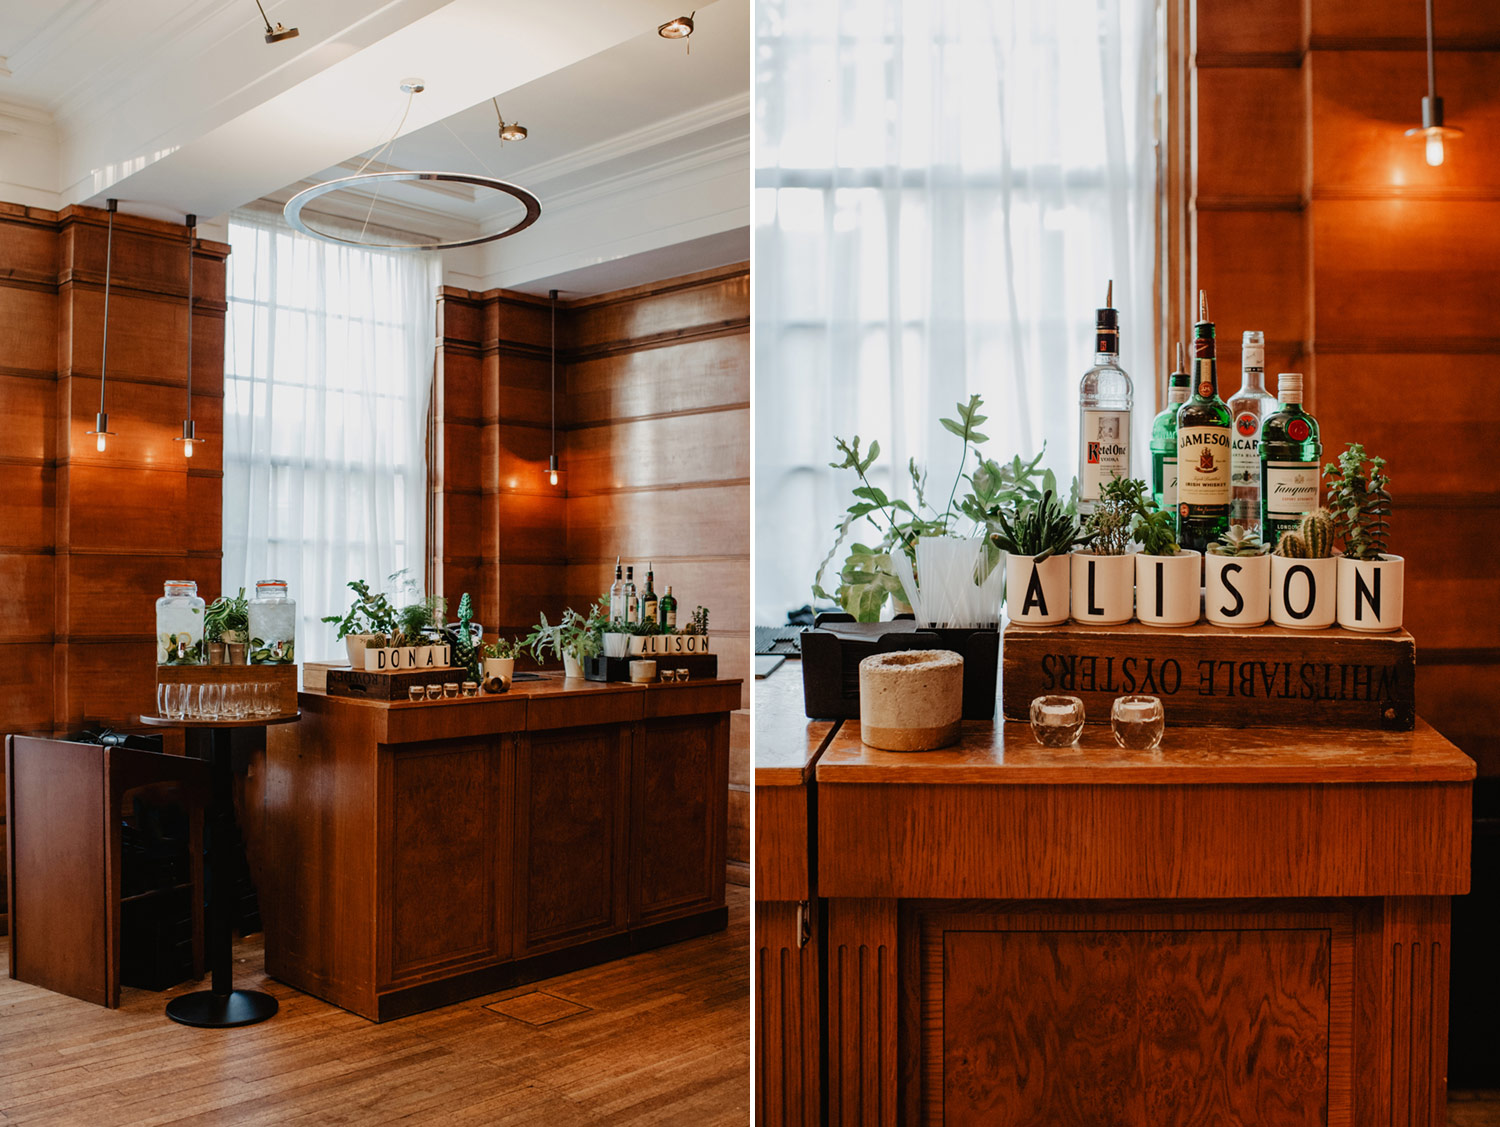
<point>208,1010</point>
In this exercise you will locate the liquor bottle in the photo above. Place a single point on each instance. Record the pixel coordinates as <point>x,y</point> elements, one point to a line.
<point>1203,426</point>
<point>1249,406</point>
<point>630,600</point>
<point>1290,453</point>
<point>668,610</point>
<point>1105,397</point>
<point>648,599</point>
<point>617,595</point>
<point>1164,440</point>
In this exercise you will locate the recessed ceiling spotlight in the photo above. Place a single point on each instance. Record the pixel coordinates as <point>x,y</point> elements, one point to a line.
<point>509,130</point>
<point>278,33</point>
<point>680,28</point>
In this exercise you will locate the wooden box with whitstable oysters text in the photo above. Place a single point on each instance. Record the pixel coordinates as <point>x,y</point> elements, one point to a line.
<point>1208,675</point>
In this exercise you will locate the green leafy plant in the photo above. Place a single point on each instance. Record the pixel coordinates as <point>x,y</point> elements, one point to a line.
<point>1312,539</point>
<point>1041,531</point>
<point>1151,526</point>
<point>1108,526</point>
<point>865,578</point>
<point>575,634</point>
<point>1360,501</point>
<point>370,613</point>
<point>505,649</point>
<point>227,619</point>
<point>422,619</point>
<point>464,646</point>
<point>1238,541</point>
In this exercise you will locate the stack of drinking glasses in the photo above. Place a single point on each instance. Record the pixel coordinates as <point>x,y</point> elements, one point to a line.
<point>228,700</point>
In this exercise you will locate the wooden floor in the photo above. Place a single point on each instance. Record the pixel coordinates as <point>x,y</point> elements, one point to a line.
<point>659,1038</point>
<point>1474,1109</point>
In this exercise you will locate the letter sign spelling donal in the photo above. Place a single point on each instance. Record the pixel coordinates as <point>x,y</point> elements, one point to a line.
<point>1239,600</point>
<point>1312,591</point>
<point>1034,595</point>
<point>1363,595</point>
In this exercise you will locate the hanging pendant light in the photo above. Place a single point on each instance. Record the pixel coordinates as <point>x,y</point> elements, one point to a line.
<point>509,130</point>
<point>680,28</point>
<point>188,437</point>
<point>1432,128</point>
<point>552,470</point>
<point>101,422</point>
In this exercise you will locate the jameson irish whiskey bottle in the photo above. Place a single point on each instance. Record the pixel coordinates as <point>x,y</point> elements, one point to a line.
<point>630,600</point>
<point>668,610</point>
<point>1104,400</point>
<point>1249,407</point>
<point>1289,461</point>
<point>1164,440</point>
<point>617,595</point>
<point>648,599</point>
<point>1203,446</point>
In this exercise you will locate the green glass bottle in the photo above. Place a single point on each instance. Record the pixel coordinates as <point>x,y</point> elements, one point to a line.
<point>1164,440</point>
<point>648,599</point>
<point>1290,461</point>
<point>1203,450</point>
<point>669,611</point>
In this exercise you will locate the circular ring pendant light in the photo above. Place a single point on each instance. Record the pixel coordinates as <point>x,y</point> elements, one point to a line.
<point>294,206</point>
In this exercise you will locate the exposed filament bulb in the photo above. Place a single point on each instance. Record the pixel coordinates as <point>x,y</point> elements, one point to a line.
<point>187,448</point>
<point>99,444</point>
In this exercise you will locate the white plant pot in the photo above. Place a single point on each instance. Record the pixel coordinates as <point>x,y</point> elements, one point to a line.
<point>396,659</point>
<point>1103,589</point>
<point>572,667</point>
<point>668,645</point>
<point>500,667</point>
<point>1371,593</point>
<point>1037,594</point>
<point>1168,588</point>
<point>616,645</point>
<point>1303,592</point>
<point>1237,589</point>
<point>354,646</point>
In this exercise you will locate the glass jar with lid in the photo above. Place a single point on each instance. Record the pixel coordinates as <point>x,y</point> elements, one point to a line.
<point>179,624</point>
<point>273,624</point>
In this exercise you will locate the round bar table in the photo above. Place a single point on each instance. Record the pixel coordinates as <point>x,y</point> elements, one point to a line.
<point>222,1006</point>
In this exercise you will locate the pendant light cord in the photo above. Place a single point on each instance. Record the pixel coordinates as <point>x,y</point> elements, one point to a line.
<point>553,296</point>
<point>1431,63</point>
<point>192,226</point>
<point>109,255</point>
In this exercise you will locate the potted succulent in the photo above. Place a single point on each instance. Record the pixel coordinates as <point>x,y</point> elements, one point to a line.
<point>572,639</point>
<point>1304,574</point>
<point>1038,543</point>
<point>1104,576</point>
<point>370,614</point>
<point>500,658</point>
<point>226,626</point>
<point>1370,579</point>
<point>1237,579</point>
<point>1167,575</point>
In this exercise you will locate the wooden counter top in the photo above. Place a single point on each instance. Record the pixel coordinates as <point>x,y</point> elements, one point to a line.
<point>1001,754</point>
<point>786,741</point>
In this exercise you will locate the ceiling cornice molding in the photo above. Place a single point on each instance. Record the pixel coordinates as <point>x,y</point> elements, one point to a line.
<point>25,111</point>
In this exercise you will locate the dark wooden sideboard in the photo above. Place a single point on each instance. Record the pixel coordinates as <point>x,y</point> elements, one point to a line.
<point>1243,926</point>
<point>422,853</point>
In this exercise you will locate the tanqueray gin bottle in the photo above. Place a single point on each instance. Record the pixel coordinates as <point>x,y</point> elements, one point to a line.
<point>1164,440</point>
<point>1105,397</point>
<point>1290,453</point>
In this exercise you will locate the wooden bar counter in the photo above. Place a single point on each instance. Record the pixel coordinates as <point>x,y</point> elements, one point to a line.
<point>1245,926</point>
<point>421,853</point>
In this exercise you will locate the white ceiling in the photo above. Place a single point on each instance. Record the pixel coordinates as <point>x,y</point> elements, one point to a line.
<point>637,145</point>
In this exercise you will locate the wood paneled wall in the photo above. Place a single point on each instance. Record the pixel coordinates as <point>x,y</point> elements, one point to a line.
<point>1316,220</point>
<point>653,418</point>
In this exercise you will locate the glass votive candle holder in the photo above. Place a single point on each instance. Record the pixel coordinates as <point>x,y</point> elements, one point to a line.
<point>682,674</point>
<point>1056,721</point>
<point>434,691</point>
<point>450,689</point>
<point>470,689</point>
<point>1137,722</point>
<point>415,692</point>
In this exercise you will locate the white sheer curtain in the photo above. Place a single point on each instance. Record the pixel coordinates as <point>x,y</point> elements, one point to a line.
<point>328,373</point>
<point>943,190</point>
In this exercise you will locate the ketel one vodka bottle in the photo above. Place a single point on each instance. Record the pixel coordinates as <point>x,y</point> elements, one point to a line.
<point>1164,440</point>
<point>1289,461</point>
<point>1203,446</point>
<point>617,595</point>
<point>1249,407</point>
<point>1105,397</point>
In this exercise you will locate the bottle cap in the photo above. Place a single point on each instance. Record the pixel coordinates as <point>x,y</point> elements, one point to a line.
<point>1253,349</point>
<point>1289,387</point>
<point>1107,324</point>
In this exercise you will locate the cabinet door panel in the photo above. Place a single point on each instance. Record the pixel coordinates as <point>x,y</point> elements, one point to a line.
<point>681,771</point>
<point>445,847</point>
<point>570,879</point>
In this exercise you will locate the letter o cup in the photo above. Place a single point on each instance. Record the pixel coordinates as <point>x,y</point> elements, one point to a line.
<point>1036,594</point>
<point>1237,590</point>
<point>1303,592</point>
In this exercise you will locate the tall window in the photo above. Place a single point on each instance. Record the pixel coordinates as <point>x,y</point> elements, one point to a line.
<point>328,373</point>
<point>944,188</point>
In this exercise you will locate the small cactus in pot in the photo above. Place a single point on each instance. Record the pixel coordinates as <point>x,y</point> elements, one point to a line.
<point>1310,540</point>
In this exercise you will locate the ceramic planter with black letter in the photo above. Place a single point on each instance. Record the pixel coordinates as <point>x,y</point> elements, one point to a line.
<point>1168,589</point>
<point>1370,580</point>
<point>1037,571</point>
<point>1237,580</point>
<point>1304,575</point>
<point>1103,577</point>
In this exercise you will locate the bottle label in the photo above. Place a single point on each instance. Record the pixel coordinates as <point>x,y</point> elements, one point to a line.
<point>1203,465</point>
<point>1168,484</point>
<point>671,622</point>
<point>1106,450</point>
<point>1290,488</point>
<point>1244,461</point>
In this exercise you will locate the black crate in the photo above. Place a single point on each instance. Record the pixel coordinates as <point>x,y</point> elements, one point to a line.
<point>700,667</point>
